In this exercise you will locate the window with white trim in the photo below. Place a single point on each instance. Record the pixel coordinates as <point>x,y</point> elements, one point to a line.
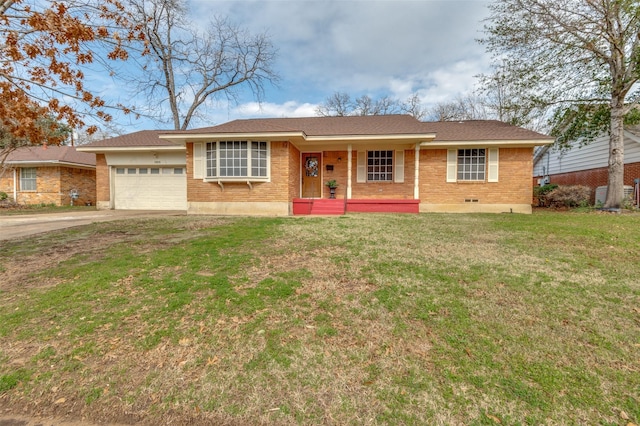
<point>236,159</point>
<point>28,179</point>
<point>380,165</point>
<point>472,164</point>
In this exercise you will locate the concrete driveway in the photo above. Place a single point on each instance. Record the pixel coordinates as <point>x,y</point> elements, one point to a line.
<point>19,226</point>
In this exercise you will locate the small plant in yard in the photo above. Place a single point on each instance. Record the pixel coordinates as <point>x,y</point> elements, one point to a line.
<point>3,196</point>
<point>540,192</point>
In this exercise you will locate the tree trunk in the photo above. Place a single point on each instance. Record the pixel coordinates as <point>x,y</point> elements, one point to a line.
<point>615,186</point>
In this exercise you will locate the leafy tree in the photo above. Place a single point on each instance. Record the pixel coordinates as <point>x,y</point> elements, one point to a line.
<point>581,57</point>
<point>44,47</point>
<point>187,67</point>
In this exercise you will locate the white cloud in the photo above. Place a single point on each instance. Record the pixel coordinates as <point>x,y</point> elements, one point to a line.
<point>269,109</point>
<point>374,47</point>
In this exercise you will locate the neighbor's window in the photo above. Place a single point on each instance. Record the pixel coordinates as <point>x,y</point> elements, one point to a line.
<point>28,179</point>
<point>471,164</point>
<point>380,165</point>
<point>229,159</point>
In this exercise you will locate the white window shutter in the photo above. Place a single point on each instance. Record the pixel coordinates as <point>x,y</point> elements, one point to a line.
<point>198,160</point>
<point>362,167</point>
<point>399,166</point>
<point>493,165</point>
<point>452,165</point>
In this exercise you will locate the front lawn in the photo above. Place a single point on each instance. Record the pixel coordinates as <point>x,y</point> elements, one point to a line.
<point>360,319</point>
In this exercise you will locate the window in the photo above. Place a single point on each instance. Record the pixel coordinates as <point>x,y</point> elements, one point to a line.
<point>143,171</point>
<point>380,165</point>
<point>155,171</point>
<point>471,164</point>
<point>120,171</point>
<point>242,159</point>
<point>28,179</point>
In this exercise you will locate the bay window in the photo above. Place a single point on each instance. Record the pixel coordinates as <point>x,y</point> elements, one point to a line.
<point>236,159</point>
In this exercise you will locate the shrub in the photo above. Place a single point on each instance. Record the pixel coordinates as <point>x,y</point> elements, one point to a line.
<point>541,193</point>
<point>569,196</point>
<point>3,196</point>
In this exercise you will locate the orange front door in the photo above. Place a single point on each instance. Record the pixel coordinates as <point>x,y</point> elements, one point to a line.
<point>311,167</point>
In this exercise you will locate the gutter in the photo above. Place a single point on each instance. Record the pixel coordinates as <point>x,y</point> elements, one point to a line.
<point>36,163</point>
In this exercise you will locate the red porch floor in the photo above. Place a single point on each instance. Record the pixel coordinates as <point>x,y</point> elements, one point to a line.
<point>317,206</point>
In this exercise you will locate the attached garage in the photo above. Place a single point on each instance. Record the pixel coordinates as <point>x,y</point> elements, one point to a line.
<point>149,188</point>
<point>139,171</point>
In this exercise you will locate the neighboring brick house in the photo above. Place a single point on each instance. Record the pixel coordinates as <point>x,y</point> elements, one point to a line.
<point>388,163</point>
<point>48,174</point>
<point>587,164</point>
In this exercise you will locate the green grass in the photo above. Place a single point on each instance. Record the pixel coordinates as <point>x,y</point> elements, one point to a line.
<point>383,319</point>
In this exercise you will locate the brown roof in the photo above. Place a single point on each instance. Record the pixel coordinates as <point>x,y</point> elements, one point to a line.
<point>323,126</point>
<point>479,130</point>
<point>377,125</point>
<point>338,126</point>
<point>51,154</point>
<point>141,138</point>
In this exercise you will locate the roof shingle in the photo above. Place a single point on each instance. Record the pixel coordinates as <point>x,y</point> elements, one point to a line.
<point>51,154</point>
<point>141,138</point>
<point>374,125</point>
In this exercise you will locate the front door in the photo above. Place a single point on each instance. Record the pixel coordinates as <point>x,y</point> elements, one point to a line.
<point>311,167</point>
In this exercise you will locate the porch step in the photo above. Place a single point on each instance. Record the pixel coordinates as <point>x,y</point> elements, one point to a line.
<point>327,207</point>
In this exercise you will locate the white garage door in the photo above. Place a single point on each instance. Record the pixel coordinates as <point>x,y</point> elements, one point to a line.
<point>150,188</point>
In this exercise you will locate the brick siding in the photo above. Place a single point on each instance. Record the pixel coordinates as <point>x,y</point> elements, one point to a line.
<point>594,177</point>
<point>103,187</point>
<point>53,186</point>
<point>513,186</point>
<point>385,190</point>
<point>275,191</point>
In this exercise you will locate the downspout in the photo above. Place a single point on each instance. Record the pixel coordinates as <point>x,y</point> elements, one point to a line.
<point>416,179</point>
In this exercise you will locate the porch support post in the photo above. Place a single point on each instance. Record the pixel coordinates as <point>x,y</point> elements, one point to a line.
<point>416,181</point>
<point>349,155</point>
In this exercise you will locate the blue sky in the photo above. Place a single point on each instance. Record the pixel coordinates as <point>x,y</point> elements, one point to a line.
<point>361,47</point>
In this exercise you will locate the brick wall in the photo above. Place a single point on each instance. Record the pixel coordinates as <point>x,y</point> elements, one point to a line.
<point>513,186</point>
<point>277,190</point>
<point>294,172</point>
<point>53,186</point>
<point>594,177</point>
<point>385,190</point>
<point>47,188</point>
<point>339,172</point>
<point>6,181</point>
<point>103,188</point>
<point>83,181</point>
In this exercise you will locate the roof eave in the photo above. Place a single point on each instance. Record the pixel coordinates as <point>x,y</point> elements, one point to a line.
<point>528,143</point>
<point>203,137</point>
<point>140,148</point>
<point>41,163</point>
<point>365,138</point>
